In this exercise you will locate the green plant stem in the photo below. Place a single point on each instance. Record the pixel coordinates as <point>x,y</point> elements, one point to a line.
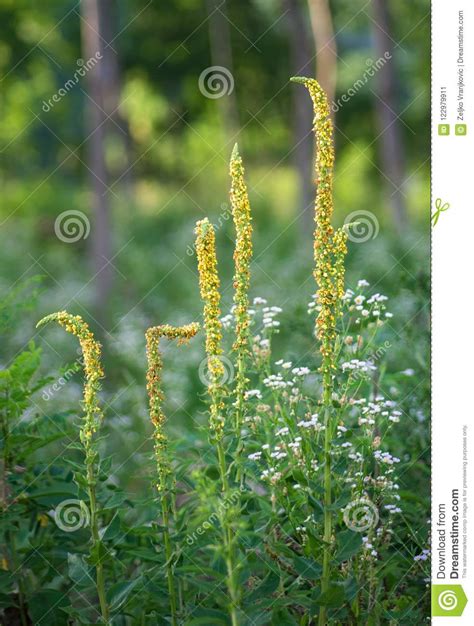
<point>239,414</point>
<point>327,536</point>
<point>169,555</point>
<point>228,539</point>
<point>174,515</point>
<point>100,577</point>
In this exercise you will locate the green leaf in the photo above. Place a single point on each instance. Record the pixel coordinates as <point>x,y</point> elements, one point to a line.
<point>349,543</point>
<point>112,530</point>
<point>79,571</point>
<point>117,594</point>
<point>307,568</point>
<point>46,607</point>
<point>333,597</point>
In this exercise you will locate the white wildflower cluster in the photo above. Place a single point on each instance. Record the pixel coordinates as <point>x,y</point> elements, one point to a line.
<point>253,393</point>
<point>261,347</point>
<point>377,410</point>
<point>227,321</point>
<point>392,508</point>
<point>385,457</point>
<point>369,546</point>
<point>284,453</point>
<point>313,306</point>
<point>368,309</point>
<point>312,422</point>
<point>269,315</point>
<point>276,381</point>
<point>259,306</point>
<point>286,365</point>
<point>301,371</point>
<point>271,475</point>
<point>424,556</point>
<point>279,381</point>
<point>357,366</point>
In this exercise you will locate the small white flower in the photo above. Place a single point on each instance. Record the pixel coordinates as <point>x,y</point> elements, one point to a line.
<point>253,393</point>
<point>362,283</point>
<point>300,371</point>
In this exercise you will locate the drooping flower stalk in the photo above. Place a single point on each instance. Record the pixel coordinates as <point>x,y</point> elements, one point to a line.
<point>165,484</point>
<point>329,254</point>
<point>93,416</point>
<point>242,257</point>
<point>209,285</point>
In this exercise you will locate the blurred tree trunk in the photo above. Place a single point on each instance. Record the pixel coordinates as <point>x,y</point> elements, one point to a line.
<point>325,46</point>
<point>390,141</point>
<point>112,90</point>
<point>92,44</point>
<point>221,54</point>
<point>301,53</point>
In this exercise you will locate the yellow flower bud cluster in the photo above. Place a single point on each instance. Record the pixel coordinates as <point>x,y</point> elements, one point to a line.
<point>209,285</point>
<point>243,250</point>
<point>329,247</point>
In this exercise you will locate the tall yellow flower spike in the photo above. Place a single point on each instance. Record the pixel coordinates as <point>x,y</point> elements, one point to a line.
<point>329,254</point>
<point>329,248</point>
<point>91,350</point>
<point>155,391</point>
<point>242,257</point>
<point>243,249</point>
<point>209,285</point>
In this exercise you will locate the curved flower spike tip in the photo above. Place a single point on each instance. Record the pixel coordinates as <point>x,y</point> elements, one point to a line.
<point>91,350</point>
<point>155,391</point>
